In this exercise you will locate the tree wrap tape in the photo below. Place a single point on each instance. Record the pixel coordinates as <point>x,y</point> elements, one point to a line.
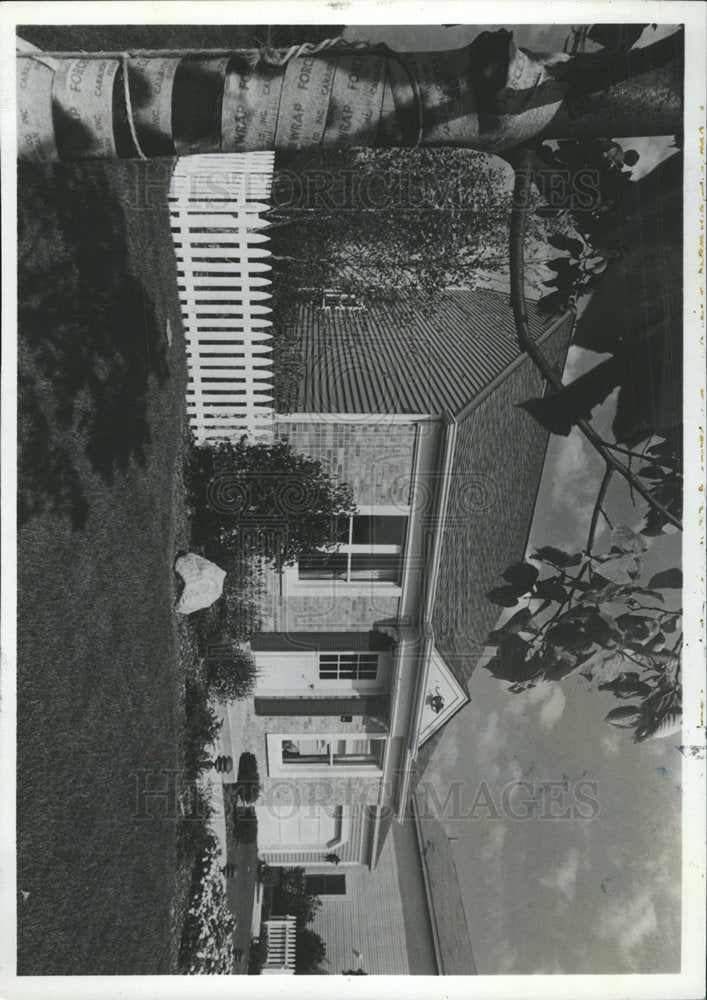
<point>241,102</point>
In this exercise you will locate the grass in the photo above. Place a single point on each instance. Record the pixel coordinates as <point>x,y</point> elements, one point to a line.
<point>101,409</point>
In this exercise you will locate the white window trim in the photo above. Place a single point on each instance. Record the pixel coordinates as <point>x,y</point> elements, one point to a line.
<point>339,653</point>
<point>305,588</point>
<point>330,845</point>
<point>276,767</point>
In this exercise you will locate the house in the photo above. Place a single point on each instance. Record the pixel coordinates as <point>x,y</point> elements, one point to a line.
<point>369,646</point>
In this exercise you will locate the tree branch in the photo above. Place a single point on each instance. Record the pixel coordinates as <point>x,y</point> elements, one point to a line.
<point>519,213</point>
<point>601,496</point>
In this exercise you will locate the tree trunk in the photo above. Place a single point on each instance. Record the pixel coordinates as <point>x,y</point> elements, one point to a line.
<point>489,96</point>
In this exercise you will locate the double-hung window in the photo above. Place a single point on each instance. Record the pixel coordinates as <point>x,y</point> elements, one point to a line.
<point>368,547</point>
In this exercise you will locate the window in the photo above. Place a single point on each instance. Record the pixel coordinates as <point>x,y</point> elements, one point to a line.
<point>369,547</point>
<point>348,666</point>
<point>325,884</point>
<point>332,751</point>
<point>335,298</point>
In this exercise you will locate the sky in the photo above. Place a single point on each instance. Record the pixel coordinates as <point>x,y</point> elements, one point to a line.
<point>545,894</point>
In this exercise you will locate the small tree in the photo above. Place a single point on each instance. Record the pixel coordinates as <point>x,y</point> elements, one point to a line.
<point>248,781</point>
<point>266,500</point>
<point>310,952</point>
<point>230,671</point>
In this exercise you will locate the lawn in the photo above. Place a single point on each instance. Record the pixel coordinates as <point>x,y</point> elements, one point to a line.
<point>99,687</point>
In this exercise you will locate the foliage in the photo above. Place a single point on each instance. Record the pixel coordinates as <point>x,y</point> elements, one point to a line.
<point>248,780</point>
<point>626,249</point>
<point>291,897</point>
<point>310,951</point>
<point>230,671</point>
<point>245,824</point>
<point>592,614</point>
<point>201,727</point>
<point>207,945</point>
<point>242,600</point>
<point>257,956</point>
<point>267,501</point>
<point>380,224</point>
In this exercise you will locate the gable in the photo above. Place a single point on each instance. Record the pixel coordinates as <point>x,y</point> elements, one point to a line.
<point>406,356</point>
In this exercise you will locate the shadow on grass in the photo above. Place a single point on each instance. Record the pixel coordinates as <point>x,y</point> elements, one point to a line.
<point>89,339</point>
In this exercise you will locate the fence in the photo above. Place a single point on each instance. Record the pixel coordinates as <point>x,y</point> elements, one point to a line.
<point>281,946</point>
<point>223,275</point>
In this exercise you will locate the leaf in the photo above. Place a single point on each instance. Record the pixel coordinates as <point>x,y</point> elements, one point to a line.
<point>625,539</point>
<point>506,597</point>
<point>522,575</point>
<point>558,557</point>
<point>561,242</point>
<point>624,717</point>
<point>516,622</point>
<point>621,569</point>
<point>550,590</point>
<point>631,157</point>
<point>669,725</point>
<point>561,410</point>
<point>668,579</point>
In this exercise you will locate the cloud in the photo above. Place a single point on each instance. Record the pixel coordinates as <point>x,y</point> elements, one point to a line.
<point>611,743</point>
<point>493,842</point>
<point>565,878</point>
<point>552,709</point>
<point>548,700</point>
<point>630,923</point>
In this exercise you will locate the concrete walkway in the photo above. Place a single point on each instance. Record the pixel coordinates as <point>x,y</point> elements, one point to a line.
<point>228,743</point>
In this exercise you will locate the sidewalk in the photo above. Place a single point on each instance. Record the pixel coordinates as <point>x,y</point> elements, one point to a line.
<point>228,743</point>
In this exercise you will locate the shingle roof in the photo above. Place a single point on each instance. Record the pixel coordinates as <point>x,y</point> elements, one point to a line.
<point>404,356</point>
<point>498,461</point>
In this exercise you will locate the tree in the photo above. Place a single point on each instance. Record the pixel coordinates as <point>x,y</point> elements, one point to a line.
<point>269,501</point>
<point>491,96</point>
<point>310,952</point>
<point>594,613</point>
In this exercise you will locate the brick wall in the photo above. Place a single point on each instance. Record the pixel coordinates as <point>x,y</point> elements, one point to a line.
<point>375,459</point>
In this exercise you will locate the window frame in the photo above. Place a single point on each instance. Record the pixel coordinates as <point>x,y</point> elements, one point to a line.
<point>359,668</point>
<point>277,766</point>
<point>339,876</point>
<point>349,548</point>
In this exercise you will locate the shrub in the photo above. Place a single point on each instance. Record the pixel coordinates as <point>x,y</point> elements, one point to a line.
<point>248,780</point>
<point>207,942</point>
<point>258,954</point>
<point>310,952</point>
<point>242,601</point>
<point>230,671</point>
<point>291,897</point>
<point>265,500</point>
<point>201,729</point>
<point>245,825</point>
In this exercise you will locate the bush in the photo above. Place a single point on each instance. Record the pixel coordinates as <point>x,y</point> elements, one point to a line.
<point>245,825</point>
<point>258,954</point>
<point>264,500</point>
<point>230,671</point>
<point>310,952</point>
<point>248,780</point>
<point>290,896</point>
<point>242,601</point>
<point>201,729</point>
